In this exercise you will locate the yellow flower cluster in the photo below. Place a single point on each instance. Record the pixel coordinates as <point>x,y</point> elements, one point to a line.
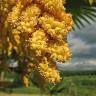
<point>4,7</point>
<point>55,28</point>
<point>13,16</point>
<point>39,28</point>
<point>54,7</point>
<point>60,52</point>
<point>25,80</point>
<point>30,67</point>
<point>28,19</point>
<point>26,74</point>
<point>48,72</point>
<point>38,40</point>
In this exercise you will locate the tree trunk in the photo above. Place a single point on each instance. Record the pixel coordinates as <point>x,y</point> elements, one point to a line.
<point>2,76</point>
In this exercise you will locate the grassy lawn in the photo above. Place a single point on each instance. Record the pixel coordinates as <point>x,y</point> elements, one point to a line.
<point>5,94</point>
<point>83,85</point>
<point>80,85</point>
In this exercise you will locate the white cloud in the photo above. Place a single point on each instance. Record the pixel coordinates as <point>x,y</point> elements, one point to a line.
<point>88,34</point>
<point>82,64</point>
<point>83,44</point>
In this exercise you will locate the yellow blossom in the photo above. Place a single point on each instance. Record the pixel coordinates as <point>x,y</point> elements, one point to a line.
<point>38,40</point>
<point>25,81</point>
<point>37,30</point>
<point>49,73</point>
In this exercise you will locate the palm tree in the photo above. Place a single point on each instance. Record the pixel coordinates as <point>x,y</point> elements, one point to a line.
<point>82,11</point>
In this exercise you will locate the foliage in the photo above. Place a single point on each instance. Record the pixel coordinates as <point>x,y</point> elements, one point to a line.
<point>82,12</point>
<point>83,85</point>
<point>37,31</point>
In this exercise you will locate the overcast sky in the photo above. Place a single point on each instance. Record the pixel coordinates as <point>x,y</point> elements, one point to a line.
<point>83,44</point>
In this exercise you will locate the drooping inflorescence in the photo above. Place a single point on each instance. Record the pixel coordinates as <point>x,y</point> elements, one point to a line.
<point>37,30</point>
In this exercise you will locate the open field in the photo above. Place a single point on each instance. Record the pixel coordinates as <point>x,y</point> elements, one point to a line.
<point>83,85</point>
<point>5,94</point>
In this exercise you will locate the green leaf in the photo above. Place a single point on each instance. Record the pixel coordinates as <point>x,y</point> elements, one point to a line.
<point>82,12</point>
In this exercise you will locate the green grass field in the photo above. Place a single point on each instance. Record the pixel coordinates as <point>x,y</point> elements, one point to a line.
<point>83,85</point>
